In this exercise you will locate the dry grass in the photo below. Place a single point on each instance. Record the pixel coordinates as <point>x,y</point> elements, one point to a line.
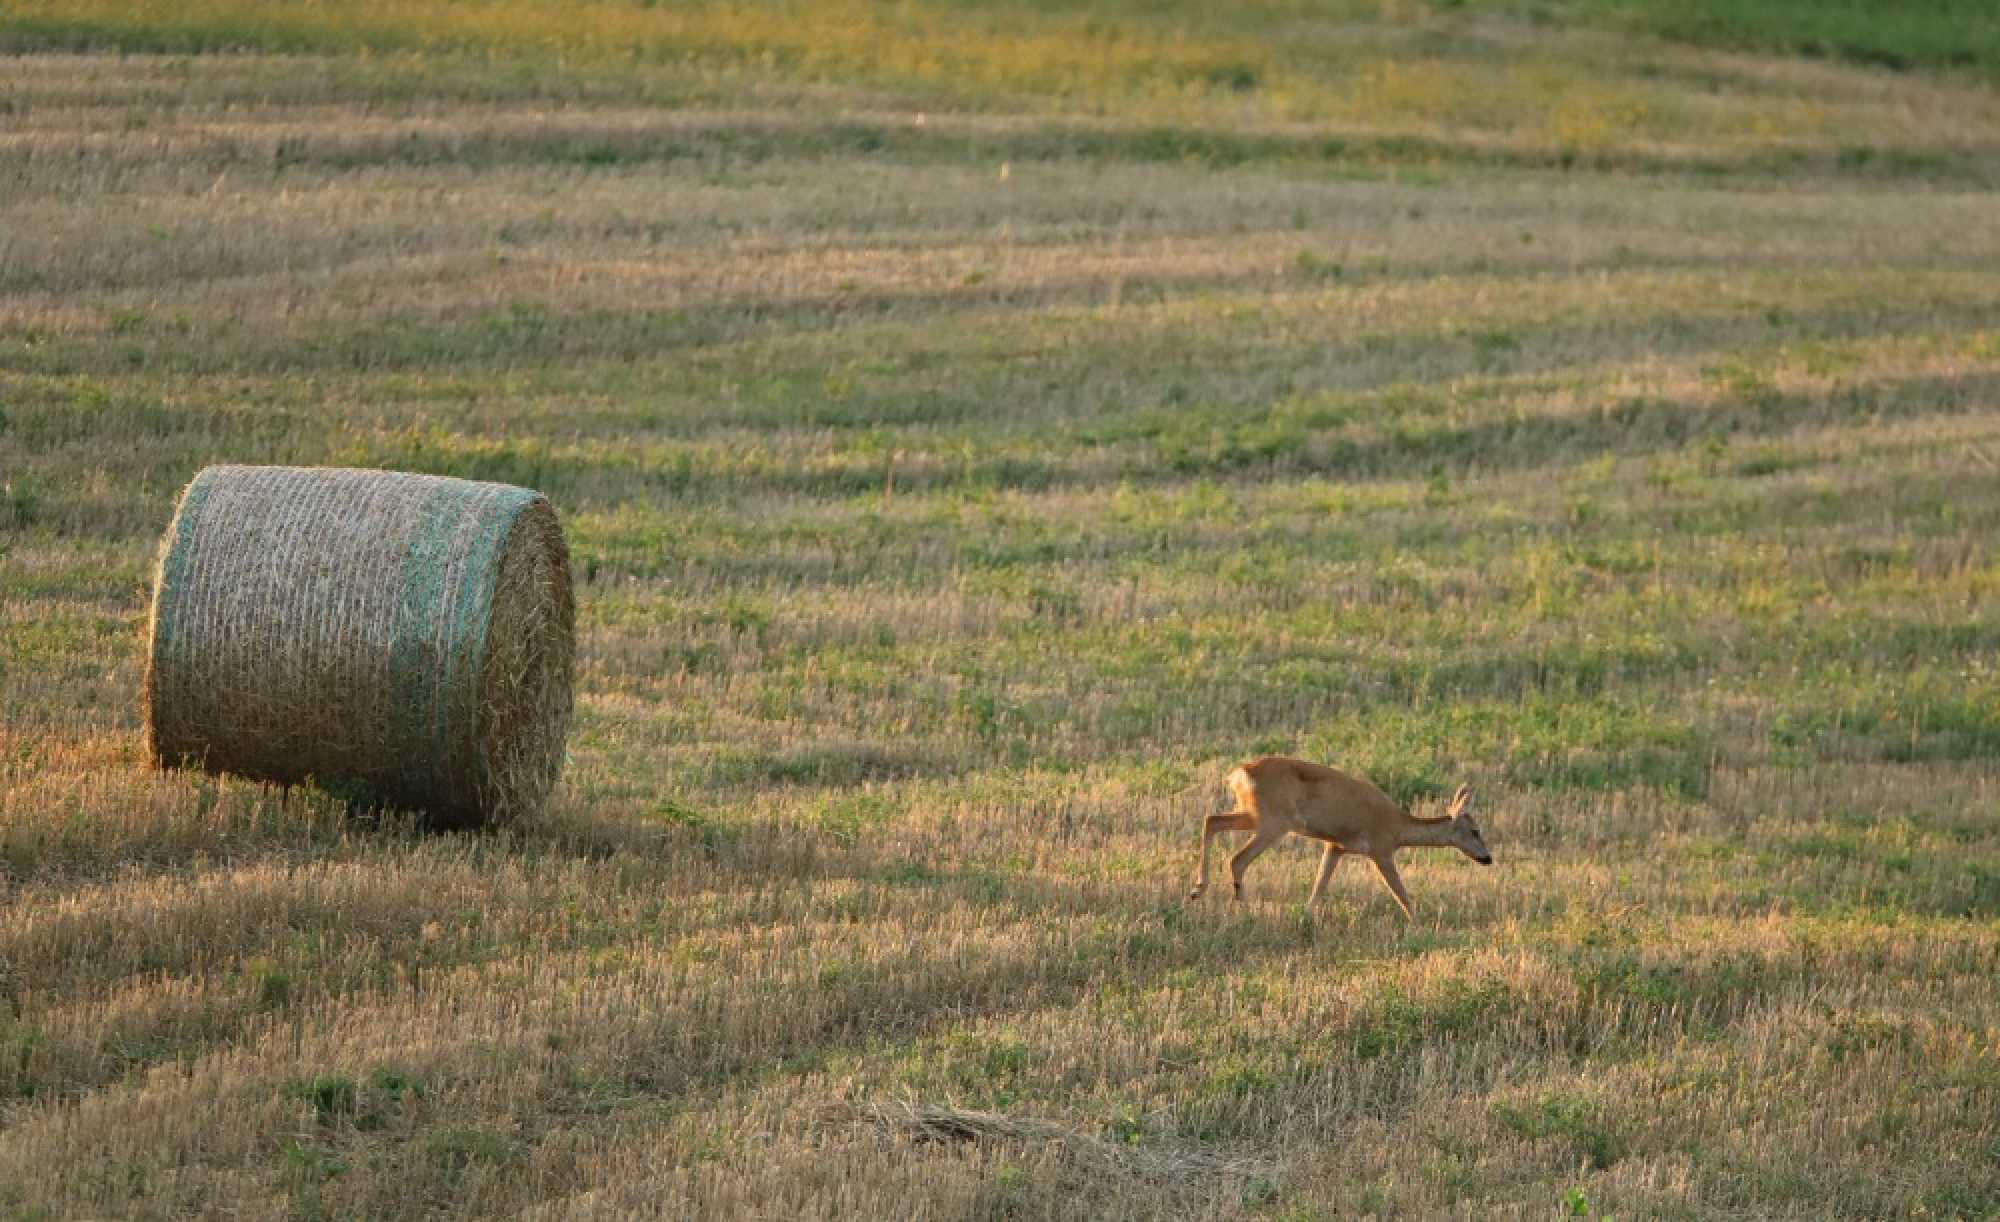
<point>964,464</point>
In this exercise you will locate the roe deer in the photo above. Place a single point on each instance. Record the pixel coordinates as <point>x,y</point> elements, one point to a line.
<point>1275,795</point>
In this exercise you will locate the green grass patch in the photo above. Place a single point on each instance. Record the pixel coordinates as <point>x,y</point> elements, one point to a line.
<point>1574,1120</point>
<point>1909,34</point>
<point>1398,1022</point>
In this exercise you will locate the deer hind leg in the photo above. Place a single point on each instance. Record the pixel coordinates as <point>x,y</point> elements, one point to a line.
<point>1328,859</point>
<point>1268,834</point>
<point>1394,881</point>
<point>1234,821</point>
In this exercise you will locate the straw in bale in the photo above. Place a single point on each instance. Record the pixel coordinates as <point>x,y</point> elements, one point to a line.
<point>407,637</point>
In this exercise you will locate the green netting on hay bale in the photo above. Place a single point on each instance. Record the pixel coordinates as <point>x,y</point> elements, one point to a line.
<point>408,639</point>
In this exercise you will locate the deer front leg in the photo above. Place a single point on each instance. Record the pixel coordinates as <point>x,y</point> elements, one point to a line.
<point>1266,836</point>
<point>1328,859</point>
<point>1387,866</point>
<point>1234,821</point>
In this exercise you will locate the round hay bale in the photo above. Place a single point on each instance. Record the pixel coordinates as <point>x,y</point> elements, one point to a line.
<point>403,639</point>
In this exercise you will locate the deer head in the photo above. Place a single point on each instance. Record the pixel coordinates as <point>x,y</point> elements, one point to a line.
<point>1465,835</point>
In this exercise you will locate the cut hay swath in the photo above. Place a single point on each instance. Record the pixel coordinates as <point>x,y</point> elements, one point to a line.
<point>404,639</point>
<point>939,1123</point>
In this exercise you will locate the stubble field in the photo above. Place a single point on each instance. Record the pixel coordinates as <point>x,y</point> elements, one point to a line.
<point>977,430</point>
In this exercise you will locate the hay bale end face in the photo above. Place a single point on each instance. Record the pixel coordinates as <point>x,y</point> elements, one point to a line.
<point>405,639</point>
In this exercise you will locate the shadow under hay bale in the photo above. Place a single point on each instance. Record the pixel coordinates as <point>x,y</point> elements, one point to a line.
<point>407,639</point>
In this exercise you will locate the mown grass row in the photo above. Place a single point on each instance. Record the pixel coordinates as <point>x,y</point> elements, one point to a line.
<point>1104,56</point>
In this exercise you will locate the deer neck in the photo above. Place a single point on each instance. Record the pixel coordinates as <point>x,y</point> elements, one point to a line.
<point>1418,833</point>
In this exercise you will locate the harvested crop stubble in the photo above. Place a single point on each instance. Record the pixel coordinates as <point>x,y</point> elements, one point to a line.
<point>409,639</point>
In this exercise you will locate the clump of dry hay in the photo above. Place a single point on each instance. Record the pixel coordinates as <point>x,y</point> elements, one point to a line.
<point>934,1122</point>
<point>405,637</point>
